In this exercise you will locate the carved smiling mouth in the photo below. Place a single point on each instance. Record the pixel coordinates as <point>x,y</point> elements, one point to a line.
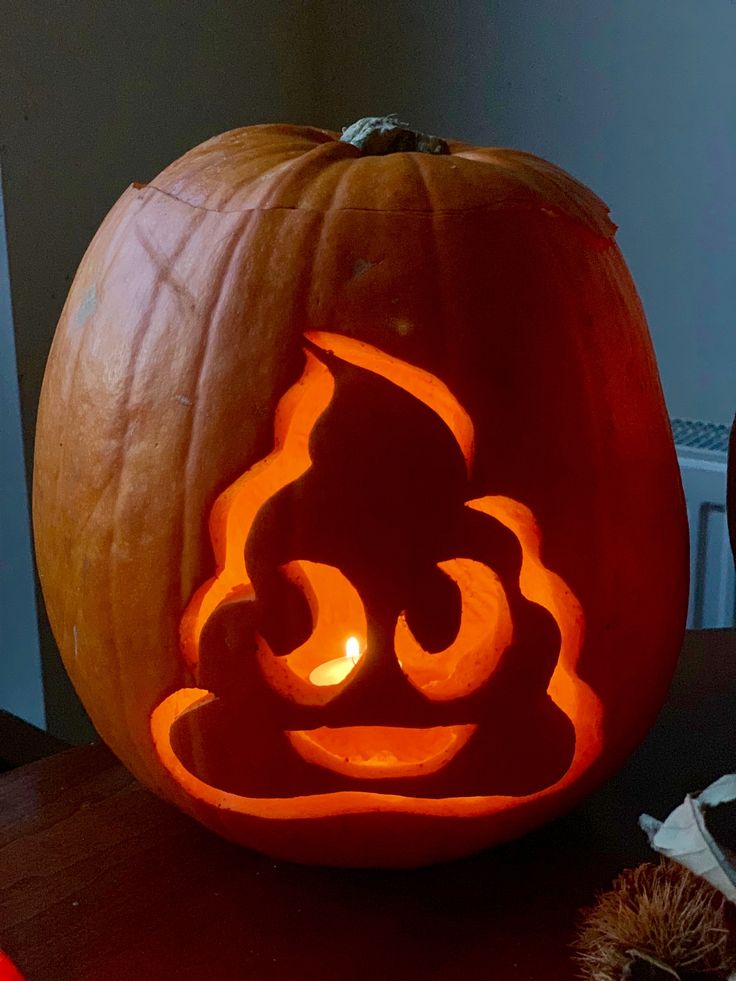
<point>380,751</point>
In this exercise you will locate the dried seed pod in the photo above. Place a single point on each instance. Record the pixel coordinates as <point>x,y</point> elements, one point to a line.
<point>656,922</point>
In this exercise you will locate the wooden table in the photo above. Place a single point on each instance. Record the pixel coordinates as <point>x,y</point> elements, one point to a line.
<point>101,881</point>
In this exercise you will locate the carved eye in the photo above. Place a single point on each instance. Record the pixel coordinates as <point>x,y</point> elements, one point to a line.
<point>484,633</point>
<point>433,609</point>
<point>313,672</point>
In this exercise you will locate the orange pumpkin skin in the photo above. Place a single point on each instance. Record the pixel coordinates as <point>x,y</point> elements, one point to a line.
<point>185,326</point>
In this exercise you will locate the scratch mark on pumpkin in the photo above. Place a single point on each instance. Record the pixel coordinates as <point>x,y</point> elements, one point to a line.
<point>86,308</point>
<point>183,400</point>
<point>76,640</point>
<point>163,264</point>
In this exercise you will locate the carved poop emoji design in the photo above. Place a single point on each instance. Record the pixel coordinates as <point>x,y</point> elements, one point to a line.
<point>373,626</point>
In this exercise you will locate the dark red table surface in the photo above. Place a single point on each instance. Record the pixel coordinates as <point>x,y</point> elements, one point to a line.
<point>101,881</point>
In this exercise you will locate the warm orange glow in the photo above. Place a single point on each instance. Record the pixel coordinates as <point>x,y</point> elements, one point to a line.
<point>333,602</point>
<point>332,656</point>
<point>540,585</point>
<point>235,509</point>
<point>337,669</point>
<point>485,633</point>
<point>375,752</point>
<point>425,387</point>
<point>163,719</point>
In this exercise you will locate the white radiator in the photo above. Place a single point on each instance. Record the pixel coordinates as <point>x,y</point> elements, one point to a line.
<point>702,453</point>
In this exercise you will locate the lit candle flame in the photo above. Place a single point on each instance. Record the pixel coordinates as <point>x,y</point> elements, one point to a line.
<point>352,648</point>
<point>336,670</point>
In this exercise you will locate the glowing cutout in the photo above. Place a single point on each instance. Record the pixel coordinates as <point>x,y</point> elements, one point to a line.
<point>485,633</point>
<point>375,752</point>
<point>334,671</point>
<point>310,677</point>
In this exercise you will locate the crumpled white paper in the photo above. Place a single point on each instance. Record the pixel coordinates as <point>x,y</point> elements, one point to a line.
<point>685,838</point>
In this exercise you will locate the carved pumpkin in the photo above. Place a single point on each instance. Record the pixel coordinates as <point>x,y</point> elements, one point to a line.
<point>357,512</point>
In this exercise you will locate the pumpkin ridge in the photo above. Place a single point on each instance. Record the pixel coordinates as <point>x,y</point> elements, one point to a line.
<point>209,321</point>
<point>61,626</point>
<point>305,169</point>
<point>337,188</point>
<point>270,174</point>
<point>417,161</point>
<point>146,320</point>
<point>437,281</point>
<point>119,238</point>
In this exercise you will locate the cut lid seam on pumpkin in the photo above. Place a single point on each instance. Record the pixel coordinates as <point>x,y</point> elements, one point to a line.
<point>544,208</point>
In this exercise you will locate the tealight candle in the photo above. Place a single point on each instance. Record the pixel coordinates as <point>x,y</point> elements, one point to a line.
<point>334,671</point>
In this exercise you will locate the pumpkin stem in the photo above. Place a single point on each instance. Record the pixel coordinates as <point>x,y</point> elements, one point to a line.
<point>379,135</point>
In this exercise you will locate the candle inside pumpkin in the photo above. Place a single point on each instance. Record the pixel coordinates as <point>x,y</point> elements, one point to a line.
<point>334,671</point>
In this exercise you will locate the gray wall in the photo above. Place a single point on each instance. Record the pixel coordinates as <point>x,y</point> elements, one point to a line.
<point>21,690</point>
<point>95,94</point>
<point>637,98</point>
